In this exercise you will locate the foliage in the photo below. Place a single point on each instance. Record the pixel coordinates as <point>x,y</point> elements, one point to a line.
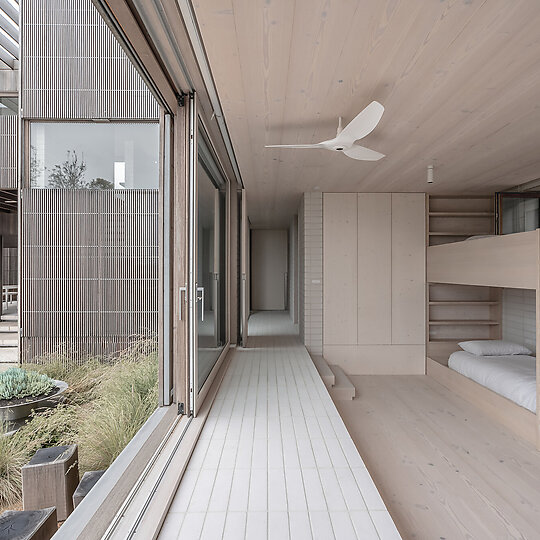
<point>126,398</point>
<point>82,378</point>
<point>13,455</point>
<point>100,183</point>
<point>69,174</point>
<point>18,383</point>
<point>35,166</point>
<point>106,403</point>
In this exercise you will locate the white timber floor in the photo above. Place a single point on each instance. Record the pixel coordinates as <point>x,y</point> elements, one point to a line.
<point>274,459</point>
<point>444,468</point>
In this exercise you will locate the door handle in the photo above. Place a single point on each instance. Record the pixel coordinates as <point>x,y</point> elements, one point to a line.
<point>201,298</point>
<point>182,291</point>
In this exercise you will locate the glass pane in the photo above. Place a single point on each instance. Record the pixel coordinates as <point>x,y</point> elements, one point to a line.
<point>519,214</point>
<point>210,274</point>
<point>94,156</point>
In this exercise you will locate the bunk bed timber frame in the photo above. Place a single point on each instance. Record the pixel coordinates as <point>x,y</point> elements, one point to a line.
<point>509,261</point>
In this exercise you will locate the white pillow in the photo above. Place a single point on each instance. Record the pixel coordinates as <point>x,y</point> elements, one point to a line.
<point>493,347</point>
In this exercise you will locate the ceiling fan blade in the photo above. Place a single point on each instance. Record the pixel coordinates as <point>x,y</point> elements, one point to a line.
<point>365,154</point>
<point>294,146</point>
<point>363,124</point>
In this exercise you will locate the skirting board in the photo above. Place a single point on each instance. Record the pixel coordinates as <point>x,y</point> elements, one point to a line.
<point>377,359</point>
<point>515,418</point>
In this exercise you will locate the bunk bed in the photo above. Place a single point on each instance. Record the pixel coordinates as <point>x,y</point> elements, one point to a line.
<point>485,264</point>
<point>509,260</point>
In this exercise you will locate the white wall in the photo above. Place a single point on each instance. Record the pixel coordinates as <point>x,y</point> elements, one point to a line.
<point>374,282</point>
<point>519,316</point>
<point>268,269</point>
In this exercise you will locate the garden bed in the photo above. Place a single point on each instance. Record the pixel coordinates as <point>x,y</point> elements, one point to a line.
<point>105,404</point>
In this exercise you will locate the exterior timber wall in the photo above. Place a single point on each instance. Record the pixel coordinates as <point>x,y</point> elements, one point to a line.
<point>89,259</point>
<point>89,270</point>
<point>74,68</point>
<point>8,151</point>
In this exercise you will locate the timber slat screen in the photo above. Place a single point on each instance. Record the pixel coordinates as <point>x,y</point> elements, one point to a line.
<point>89,282</point>
<point>8,151</point>
<point>73,67</point>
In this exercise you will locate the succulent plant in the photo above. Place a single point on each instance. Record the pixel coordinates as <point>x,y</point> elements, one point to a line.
<point>16,383</point>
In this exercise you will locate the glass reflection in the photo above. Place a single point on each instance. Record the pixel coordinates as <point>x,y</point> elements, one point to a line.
<point>9,105</point>
<point>210,273</point>
<point>520,214</point>
<point>94,155</point>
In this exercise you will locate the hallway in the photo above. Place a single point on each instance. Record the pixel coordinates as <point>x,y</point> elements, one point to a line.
<point>274,459</point>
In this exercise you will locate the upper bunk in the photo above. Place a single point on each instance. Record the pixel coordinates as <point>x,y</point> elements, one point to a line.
<point>510,261</point>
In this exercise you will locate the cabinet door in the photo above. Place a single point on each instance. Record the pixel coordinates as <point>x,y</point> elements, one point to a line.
<point>374,268</point>
<point>408,268</point>
<point>339,270</point>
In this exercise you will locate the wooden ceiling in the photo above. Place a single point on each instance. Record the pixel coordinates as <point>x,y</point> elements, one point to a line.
<point>460,81</point>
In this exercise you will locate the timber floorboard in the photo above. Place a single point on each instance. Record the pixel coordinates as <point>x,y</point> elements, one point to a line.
<point>274,459</point>
<point>444,469</point>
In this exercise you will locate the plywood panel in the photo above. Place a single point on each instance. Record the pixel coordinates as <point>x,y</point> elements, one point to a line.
<point>374,268</point>
<point>340,268</point>
<point>408,268</point>
<point>501,261</point>
<point>457,79</point>
<point>377,359</point>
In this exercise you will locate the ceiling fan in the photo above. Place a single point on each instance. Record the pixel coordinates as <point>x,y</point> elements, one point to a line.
<point>361,126</point>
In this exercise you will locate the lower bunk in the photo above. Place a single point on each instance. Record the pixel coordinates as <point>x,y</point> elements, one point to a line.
<point>503,386</point>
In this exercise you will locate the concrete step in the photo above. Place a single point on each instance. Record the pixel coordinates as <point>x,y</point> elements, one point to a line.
<point>327,375</point>
<point>8,326</point>
<point>343,387</point>
<point>9,339</point>
<point>9,357</point>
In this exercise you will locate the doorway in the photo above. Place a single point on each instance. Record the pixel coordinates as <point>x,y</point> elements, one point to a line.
<point>269,285</point>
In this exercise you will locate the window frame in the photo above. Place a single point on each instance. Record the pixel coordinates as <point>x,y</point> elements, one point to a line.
<point>499,196</point>
<point>27,142</point>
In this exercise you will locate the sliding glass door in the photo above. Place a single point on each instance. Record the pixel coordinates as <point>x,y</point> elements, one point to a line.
<point>211,278</point>
<point>207,287</point>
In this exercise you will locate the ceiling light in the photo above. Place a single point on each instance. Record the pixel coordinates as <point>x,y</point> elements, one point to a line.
<point>430,174</point>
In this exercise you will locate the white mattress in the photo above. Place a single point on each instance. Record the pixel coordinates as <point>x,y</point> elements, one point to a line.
<point>513,377</point>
